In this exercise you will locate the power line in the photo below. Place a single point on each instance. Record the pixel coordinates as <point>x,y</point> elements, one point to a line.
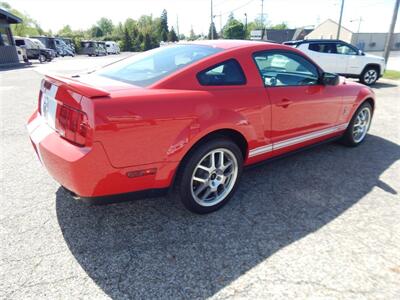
<point>237,8</point>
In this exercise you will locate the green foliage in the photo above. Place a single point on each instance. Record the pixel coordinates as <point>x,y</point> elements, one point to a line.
<point>164,22</point>
<point>172,37</point>
<point>28,27</point>
<point>280,26</point>
<point>164,35</point>
<point>213,30</point>
<point>106,26</point>
<point>132,35</point>
<point>233,29</point>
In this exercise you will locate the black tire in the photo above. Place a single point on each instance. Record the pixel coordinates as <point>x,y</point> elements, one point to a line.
<point>369,76</point>
<point>42,58</point>
<point>184,179</point>
<point>348,137</point>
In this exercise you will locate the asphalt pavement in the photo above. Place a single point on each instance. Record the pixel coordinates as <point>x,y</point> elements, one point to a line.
<point>321,224</point>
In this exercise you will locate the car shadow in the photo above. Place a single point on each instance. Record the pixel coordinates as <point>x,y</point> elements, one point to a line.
<point>383,85</point>
<point>154,248</point>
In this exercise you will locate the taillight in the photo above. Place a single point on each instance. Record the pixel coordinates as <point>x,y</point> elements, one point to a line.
<point>72,124</point>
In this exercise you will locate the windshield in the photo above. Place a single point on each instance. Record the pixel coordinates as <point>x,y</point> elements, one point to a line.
<point>151,66</point>
<point>39,43</point>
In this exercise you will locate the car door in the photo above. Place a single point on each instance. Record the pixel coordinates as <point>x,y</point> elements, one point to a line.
<point>353,65</point>
<point>302,108</point>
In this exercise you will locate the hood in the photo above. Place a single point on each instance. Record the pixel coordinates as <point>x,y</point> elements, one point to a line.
<point>376,57</point>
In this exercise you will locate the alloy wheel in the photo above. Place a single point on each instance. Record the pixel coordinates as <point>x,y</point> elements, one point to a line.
<point>370,76</point>
<point>361,124</point>
<point>214,177</point>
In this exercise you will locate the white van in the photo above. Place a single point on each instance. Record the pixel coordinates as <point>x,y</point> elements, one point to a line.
<point>112,47</point>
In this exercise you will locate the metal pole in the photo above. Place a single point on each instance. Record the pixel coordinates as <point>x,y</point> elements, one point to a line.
<point>211,26</point>
<point>340,21</point>
<point>389,38</point>
<point>262,14</point>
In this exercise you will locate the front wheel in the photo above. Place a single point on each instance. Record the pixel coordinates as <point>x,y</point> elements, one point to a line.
<point>210,175</point>
<point>358,126</point>
<point>369,76</point>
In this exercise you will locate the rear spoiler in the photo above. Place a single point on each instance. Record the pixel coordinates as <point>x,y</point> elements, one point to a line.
<point>77,86</point>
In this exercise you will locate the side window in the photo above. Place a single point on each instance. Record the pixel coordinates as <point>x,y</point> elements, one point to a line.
<point>345,49</point>
<point>226,73</point>
<point>285,69</point>
<point>322,47</point>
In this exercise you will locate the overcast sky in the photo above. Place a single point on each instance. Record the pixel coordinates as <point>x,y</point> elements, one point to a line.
<point>81,14</point>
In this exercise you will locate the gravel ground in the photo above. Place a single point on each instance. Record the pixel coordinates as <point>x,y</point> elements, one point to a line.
<point>322,224</point>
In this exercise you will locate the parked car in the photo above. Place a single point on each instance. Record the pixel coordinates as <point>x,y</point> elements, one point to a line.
<point>93,48</point>
<point>191,116</point>
<point>62,48</point>
<point>42,46</point>
<point>112,47</point>
<point>33,51</point>
<point>49,43</point>
<point>342,58</point>
<point>70,44</point>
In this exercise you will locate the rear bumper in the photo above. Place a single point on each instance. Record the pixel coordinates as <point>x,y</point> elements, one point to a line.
<point>87,171</point>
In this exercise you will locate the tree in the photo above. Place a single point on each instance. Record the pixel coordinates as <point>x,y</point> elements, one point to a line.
<point>213,30</point>
<point>95,31</point>
<point>164,35</point>
<point>28,26</point>
<point>126,41</point>
<point>172,37</point>
<point>192,35</point>
<point>164,21</point>
<point>147,42</point>
<point>280,26</point>
<point>233,29</point>
<point>65,31</point>
<point>106,26</point>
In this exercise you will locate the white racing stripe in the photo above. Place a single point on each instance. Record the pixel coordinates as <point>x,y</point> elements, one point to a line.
<point>296,140</point>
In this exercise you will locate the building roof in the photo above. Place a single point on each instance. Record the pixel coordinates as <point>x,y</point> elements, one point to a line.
<point>331,21</point>
<point>283,35</point>
<point>9,17</point>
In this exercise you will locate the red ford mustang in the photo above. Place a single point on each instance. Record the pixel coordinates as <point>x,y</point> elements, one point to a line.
<point>190,116</point>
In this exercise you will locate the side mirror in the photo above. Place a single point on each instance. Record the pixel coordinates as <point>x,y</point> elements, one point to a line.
<point>360,52</point>
<point>330,79</point>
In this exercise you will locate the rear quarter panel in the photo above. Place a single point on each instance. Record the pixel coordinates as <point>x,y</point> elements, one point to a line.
<point>162,122</point>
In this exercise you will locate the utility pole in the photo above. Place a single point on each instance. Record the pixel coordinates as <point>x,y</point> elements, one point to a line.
<point>340,20</point>
<point>245,24</point>
<point>177,25</point>
<point>358,29</point>
<point>388,44</point>
<point>212,21</point>
<point>262,14</point>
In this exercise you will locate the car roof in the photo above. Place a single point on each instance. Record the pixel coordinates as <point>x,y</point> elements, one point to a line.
<point>228,44</point>
<point>314,41</point>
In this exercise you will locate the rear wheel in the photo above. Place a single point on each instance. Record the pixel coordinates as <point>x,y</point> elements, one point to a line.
<point>369,76</point>
<point>358,126</point>
<point>42,58</point>
<point>210,175</point>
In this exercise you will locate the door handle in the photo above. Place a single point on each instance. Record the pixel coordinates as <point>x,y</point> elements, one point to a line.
<point>284,103</point>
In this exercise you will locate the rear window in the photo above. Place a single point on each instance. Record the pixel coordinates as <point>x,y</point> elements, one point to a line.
<point>149,67</point>
<point>226,73</point>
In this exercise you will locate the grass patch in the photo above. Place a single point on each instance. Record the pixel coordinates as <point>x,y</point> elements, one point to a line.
<point>391,74</point>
